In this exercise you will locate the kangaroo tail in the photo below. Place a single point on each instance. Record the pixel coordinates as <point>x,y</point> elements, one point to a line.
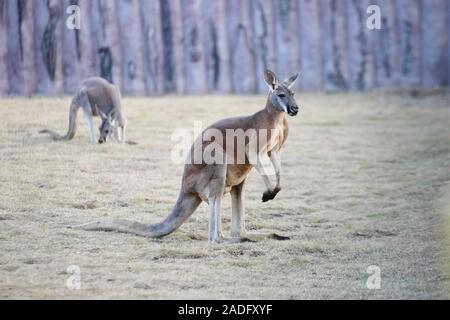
<point>72,124</point>
<point>183,209</point>
<point>55,136</point>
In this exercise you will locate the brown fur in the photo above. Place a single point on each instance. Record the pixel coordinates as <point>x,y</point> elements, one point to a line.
<point>209,182</point>
<point>97,97</point>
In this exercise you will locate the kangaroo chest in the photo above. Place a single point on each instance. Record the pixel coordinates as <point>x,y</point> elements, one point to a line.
<point>271,138</point>
<point>277,137</point>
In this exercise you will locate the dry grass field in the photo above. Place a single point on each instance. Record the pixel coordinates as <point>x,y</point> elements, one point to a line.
<point>364,179</point>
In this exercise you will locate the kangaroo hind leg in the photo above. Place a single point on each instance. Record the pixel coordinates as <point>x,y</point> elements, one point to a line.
<point>214,193</point>
<point>237,211</point>
<point>238,231</point>
<point>88,114</point>
<point>216,188</point>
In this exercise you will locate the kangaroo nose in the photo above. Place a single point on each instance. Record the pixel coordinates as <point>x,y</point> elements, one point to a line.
<point>101,141</point>
<point>293,110</point>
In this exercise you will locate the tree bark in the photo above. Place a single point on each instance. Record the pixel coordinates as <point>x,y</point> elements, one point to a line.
<point>220,52</point>
<point>15,15</point>
<point>130,35</point>
<point>410,42</point>
<point>152,46</point>
<point>194,58</point>
<point>334,42</point>
<point>222,46</point>
<point>4,80</point>
<point>242,51</point>
<point>435,45</point>
<point>311,46</point>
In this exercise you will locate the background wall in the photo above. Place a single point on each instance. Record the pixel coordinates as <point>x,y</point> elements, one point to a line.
<point>222,46</point>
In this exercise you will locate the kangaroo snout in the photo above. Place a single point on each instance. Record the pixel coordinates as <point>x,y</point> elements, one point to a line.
<point>293,110</point>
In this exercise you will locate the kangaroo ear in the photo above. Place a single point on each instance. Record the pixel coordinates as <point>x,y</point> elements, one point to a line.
<point>102,114</point>
<point>111,115</point>
<point>291,81</point>
<point>271,79</point>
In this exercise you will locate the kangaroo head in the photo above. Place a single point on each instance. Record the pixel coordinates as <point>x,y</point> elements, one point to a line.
<point>281,94</point>
<point>107,126</point>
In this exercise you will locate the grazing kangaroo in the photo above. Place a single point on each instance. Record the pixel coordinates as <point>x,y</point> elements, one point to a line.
<point>97,97</point>
<point>209,182</point>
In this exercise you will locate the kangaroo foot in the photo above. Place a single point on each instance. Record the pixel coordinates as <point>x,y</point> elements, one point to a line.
<point>270,194</point>
<point>232,240</point>
<point>216,238</point>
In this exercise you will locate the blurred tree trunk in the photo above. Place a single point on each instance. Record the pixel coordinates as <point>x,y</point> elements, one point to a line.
<point>311,46</point>
<point>43,81</point>
<point>242,51</point>
<point>358,48</point>
<point>335,39</point>
<point>4,78</point>
<point>435,44</point>
<point>410,42</point>
<point>220,51</point>
<point>194,53</point>
<point>86,61</point>
<point>387,47</point>
<point>132,48</point>
<point>71,54</point>
<point>152,42</point>
<point>15,13</point>
<point>27,48</point>
<point>287,41</point>
<point>222,46</point>
<point>178,27</point>
<point>263,40</point>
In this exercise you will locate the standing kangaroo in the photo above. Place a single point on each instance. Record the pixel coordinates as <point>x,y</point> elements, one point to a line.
<point>97,97</point>
<point>209,182</point>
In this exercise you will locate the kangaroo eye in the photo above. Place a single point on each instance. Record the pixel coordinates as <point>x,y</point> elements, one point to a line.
<point>282,95</point>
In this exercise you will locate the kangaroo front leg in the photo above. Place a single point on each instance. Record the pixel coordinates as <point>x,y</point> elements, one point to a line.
<point>116,134</point>
<point>271,192</point>
<point>121,126</point>
<point>276,162</point>
<point>263,160</point>
<point>119,133</point>
<point>90,126</point>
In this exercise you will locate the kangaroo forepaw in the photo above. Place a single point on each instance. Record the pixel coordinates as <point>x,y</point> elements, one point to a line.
<point>270,194</point>
<point>267,196</point>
